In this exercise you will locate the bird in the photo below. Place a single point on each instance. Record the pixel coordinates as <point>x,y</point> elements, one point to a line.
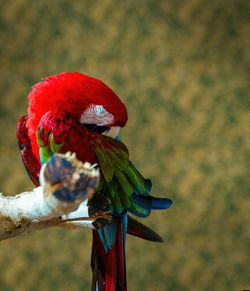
<point>81,114</point>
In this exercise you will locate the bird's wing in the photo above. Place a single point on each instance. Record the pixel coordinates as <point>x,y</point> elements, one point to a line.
<point>30,161</point>
<point>59,132</point>
<point>122,182</point>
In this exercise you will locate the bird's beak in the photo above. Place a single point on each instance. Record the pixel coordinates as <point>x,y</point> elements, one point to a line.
<point>112,132</point>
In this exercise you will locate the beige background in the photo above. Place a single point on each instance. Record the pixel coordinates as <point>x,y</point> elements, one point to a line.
<point>182,69</point>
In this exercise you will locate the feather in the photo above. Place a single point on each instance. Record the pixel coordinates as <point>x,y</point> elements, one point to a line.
<point>119,161</point>
<point>160,203</point>
<point>137,178</point>
<point>29,159</point>
<point>125,184</point>
<point>111,188</point>
<point>117,144</point>
<point>59,132</point>
<point>139,210</point>
<point>109,234</point>
<point>138,229</point>
<point>110,271</point>
<point>56,148</point>
<point>117,204</point>
<point>102,237</point>
<point>125,199</point>
<point>142,201</point>
<point>121,265</point>
<point>45,154</point>
<point>105,164</point>
<point>98,262</point>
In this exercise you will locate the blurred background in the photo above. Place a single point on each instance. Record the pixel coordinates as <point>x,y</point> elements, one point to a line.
<point>182,68</point>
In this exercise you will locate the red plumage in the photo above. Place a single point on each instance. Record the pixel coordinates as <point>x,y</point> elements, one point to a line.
<point>66,130</point>
<point>30,161</point>
<point>72,92</point>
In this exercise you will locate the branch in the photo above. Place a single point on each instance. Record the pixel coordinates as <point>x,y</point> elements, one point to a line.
<point>66,198</point>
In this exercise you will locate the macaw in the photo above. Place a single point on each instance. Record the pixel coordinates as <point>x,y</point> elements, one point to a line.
<point>77,113</point>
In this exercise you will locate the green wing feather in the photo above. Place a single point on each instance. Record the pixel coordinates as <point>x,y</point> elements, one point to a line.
<point>47,144</point>
<point>136,178</point>
<point>121,179</point>
<point>46,153</point>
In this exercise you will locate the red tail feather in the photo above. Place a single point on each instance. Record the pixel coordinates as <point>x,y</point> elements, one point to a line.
<point>109,269</point>
<point>121,283</point>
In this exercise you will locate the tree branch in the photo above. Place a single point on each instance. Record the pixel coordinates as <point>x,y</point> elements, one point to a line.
<point>66,198</point>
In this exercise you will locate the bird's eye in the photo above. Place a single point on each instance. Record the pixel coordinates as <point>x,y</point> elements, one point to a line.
<point>96,128</point>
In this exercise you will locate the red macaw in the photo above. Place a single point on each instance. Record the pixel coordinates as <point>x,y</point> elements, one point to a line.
<point>74,112</point>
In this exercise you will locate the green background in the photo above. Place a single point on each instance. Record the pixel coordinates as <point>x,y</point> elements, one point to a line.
<point>182,68</point>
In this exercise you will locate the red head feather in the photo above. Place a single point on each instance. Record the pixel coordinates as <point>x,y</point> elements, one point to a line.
<point>87,99</point>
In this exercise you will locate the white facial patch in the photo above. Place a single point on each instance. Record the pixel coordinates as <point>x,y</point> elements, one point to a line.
<point>96,114</point>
